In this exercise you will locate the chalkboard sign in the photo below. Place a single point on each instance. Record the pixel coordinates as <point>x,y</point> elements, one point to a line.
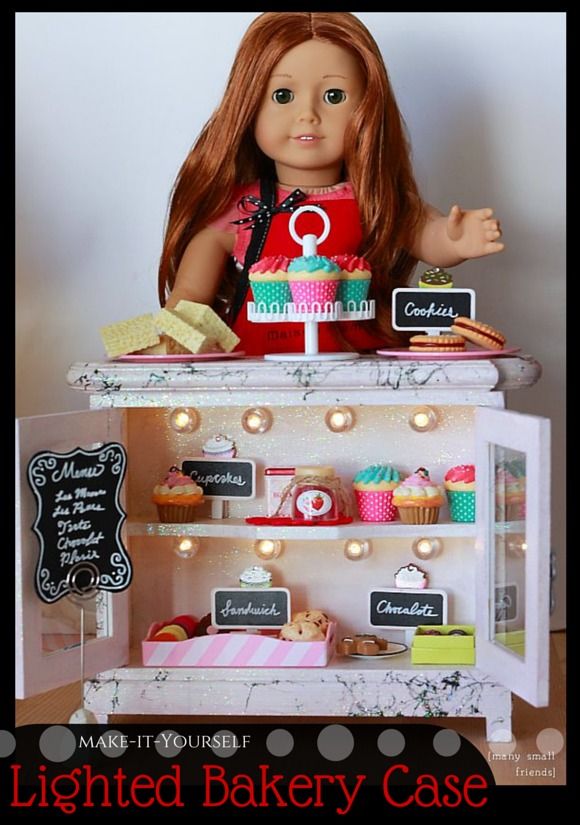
<point>78,521</point>
<point>506,603</point>
<point>426,309</point>
<point>407,608</point>
<point>241,607</point>
<point>232,478</point>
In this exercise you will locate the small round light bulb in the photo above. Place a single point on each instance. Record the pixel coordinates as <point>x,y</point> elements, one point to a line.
<point>423,419</point>
<point>427,548</point>
<point>187,547</point>
<point>339,419</point>
<point>357,549</point>
<point>257,420</point>
<point>184,419</point>
<point>267,549</point>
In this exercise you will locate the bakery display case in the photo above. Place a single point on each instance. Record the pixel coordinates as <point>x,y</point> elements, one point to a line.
<point>493,571</point>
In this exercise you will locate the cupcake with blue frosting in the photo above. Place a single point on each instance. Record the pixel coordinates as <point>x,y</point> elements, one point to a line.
<point>373,489</point>
<point>313,281</point>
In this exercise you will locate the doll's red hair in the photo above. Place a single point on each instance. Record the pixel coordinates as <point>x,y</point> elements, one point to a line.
<point>377,156</point>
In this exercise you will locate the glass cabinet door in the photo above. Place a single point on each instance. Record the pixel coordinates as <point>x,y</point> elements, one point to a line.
<point>513,550</point>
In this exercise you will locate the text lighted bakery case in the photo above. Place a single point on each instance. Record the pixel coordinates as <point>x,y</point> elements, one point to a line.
<point>495,571</point>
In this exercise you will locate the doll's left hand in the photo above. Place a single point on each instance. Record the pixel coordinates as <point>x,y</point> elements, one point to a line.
<point>474,232</point>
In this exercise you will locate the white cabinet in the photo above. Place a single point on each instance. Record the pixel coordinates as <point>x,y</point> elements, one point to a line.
<point>131,404</point>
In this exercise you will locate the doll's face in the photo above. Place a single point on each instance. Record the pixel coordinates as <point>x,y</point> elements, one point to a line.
<point>311,95</point>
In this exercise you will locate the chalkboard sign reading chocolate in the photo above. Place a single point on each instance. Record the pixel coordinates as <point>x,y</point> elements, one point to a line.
<point>426,309</point>
<point>78,521</point>
<point>241,607</point>
<point>232,478</point>
<point>407,608</point>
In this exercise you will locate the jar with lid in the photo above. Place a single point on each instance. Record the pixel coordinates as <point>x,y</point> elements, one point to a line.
<point>315,494</point>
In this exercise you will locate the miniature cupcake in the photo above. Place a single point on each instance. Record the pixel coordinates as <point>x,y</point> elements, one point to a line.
<point>355,280</point>
<point>220,446</point>
<point>510,491</point>
<point>418,499</point>
<point>269,281</point>
<point>460,485</point>
<point>256,577</point>
<point>313,281</point>
<point>436,278</point>
<point>373,489</point>
<point>177,497</point>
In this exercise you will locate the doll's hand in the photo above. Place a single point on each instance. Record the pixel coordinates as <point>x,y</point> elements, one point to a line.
<point>474,232</point>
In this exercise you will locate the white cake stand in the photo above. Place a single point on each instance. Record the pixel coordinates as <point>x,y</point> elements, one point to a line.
<point>310,316</point>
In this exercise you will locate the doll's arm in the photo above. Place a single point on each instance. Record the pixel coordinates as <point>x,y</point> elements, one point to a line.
<point>201,268</point>
<point>447,240</point>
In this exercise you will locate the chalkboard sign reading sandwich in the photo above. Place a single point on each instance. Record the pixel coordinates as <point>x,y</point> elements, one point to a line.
<point>237,608</point>
<point>78,521</point>
<point>405,609</point>
<point>432,310</point>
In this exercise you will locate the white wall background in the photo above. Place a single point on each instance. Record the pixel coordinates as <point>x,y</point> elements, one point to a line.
<point>108,104</point>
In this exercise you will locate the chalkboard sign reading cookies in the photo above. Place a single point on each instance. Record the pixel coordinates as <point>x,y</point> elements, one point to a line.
<point>78,521</point>
<point>426,309</point>
<point>243,607</point>
<point>219,479</point>
<point>407,608</point>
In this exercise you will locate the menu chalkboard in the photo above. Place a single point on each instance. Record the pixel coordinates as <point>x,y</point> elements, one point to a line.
<point>78,521</point>
<point>406,608</point>
<point>424,309</point>
<point>250,607</point>
<point>222,479</point>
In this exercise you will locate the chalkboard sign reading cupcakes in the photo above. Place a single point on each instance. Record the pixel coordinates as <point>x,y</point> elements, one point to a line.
<point>245,607</point>
<point>406,608</point>
<point>230,479</point>
<point>78,521</point>
<point>431,309</point>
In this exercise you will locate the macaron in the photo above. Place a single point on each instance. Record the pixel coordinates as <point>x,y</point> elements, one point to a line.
<point>437,343</point>
<point>478,333</point>
<point>187,622</point>
<point>170,633</point>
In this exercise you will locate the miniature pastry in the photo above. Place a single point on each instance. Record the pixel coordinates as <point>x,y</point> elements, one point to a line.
<point>346,646</point>
<point>436,343</point>
<point>478,333</point>
<point>436,278</point>
<point>203,318</point>
<point>460,485</point>
<point>355,280</point>
<point>255,577</point>
<point>317,617</point>
<point>373,489</point>
<point>220,446</point>
<point>177,497</point>
<point>372,637</point>
<point>510,491</point>
<point>301,632</point>
<point>431,633</point>
<point>457,632</point>
<point>269,282</point>
<point>129,336</point>
<point>418,499</point>
<point>411,576</point>
<point>170,633</point>
<point>187,622</point>
<point>313,280</point>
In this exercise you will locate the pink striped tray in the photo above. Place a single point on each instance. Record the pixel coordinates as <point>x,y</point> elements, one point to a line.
<point>237,650</point>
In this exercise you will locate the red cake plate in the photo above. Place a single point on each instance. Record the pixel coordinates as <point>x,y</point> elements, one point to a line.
<point>286,521</point>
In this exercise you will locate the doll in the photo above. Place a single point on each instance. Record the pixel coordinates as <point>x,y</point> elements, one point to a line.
<point>308,117</point>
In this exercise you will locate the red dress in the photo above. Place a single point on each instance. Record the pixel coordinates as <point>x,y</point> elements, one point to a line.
<point>345,238</point>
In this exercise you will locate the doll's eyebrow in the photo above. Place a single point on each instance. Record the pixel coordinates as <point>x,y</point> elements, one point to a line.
<point>325,76</point>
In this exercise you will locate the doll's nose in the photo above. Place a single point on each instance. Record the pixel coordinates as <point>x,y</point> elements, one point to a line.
<point>308,113</point>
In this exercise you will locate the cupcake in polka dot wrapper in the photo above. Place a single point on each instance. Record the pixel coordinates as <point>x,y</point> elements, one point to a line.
<point>313,281</point>
<point>355,280</point>
<point>418,499</point>
<point>460,485</point>
<point>373,489</point>
<point>269,281</point>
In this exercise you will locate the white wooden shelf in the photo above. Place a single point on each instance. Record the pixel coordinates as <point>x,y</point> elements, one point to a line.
<point>237,528</point>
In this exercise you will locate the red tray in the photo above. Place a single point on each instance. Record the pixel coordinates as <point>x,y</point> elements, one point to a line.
<point>286,521</point>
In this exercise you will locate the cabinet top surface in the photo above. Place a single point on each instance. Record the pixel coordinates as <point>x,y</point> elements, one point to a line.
<point>140,384</point>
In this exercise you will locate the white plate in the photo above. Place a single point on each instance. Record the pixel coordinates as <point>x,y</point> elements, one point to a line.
<point>394,649</point>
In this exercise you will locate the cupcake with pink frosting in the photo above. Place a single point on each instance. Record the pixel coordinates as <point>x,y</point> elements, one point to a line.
<point>355,280</point>
<point>417,499</point>
<point>313,281</point>
<point>510,492</point>
<point>460,485</point>
<point>269,282</point>
<point>177,497</point>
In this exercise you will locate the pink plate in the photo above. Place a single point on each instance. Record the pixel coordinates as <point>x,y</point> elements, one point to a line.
<point>404,354</point>
<point>178,359</point>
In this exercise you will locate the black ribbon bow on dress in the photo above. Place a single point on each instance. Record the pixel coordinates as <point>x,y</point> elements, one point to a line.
<point>263,212</point>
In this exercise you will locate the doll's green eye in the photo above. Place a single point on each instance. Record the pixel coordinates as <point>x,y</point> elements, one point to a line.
<point>283,96</point>
<point>334,96</point>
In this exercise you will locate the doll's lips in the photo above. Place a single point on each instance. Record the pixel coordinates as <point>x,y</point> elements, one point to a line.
<point>307,138</point>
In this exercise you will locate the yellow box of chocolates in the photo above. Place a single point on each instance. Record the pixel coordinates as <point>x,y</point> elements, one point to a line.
<point>444,644</point>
